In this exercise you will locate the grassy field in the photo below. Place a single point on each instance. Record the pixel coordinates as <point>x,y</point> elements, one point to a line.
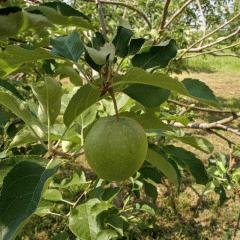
<point>214,64</point>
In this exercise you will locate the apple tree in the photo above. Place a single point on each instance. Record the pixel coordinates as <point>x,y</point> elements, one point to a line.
<point>64,68</point>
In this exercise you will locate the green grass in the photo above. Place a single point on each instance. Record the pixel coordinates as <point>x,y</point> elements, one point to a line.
<point>213,64</point>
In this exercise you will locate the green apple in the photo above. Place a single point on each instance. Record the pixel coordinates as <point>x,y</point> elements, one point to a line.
<point>116,149</point>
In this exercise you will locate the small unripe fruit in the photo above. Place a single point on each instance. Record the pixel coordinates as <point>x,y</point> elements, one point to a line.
<point>116,149</point>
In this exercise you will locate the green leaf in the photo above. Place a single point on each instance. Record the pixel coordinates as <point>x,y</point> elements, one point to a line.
<point>107,234</point>
<point>70,46</point>
<point>60,14</point>
<point>83,219</point>
<point>100,57</point>
<point>87,117</point>
<point>158,160</point>
<point>6,84</point>
<point>222,194</point>
<point>121,41</point>
<point>14,56</point>
<point>199,143</point>
<point>98,40</point>
<point>52,195</point>
<point>149,121</point>
<point>44,208</point>
<point>20,109</point>
<point>11,21</point>
<point>24,136</point>
<point>84,98</point>
<point>156,56</point>
<point>189,161</point>
<point>135,45</point>
<point>200,91</point>
<point>66,70</point>
<point>20,195</point>
<point>148,96</point>
<point>65,9</point>
<point>116,222</point>
<point>49,97</point>
<point>151,191</point>
<point>137,75</point>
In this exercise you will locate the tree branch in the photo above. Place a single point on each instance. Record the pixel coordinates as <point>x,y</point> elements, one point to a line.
<point>221,39</point>
<point>230,142</point>
<point>214,125</point>
<point>216,50</point>
<point>164,16</point>
<point>204,25</point>
<point>143,15</point>
<point>200,108</point>
<point>208,35</point>
<point>177,13</point>
<point>101,18</point>
<point>225,55</point>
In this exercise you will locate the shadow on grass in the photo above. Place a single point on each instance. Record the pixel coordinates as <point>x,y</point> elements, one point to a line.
<point>201,69</point>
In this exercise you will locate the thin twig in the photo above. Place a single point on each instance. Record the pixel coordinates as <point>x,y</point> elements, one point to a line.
<point>143,15</point>
<point>177,13</point>
<point>222,137</point>
<point>204,25</point>
<point>208,35</point>
<point>221,39</point>
<point>101,18</point>
<point>164,16</point>
<point>200,108</point>
<point>215,50</point>
<point>225,55</point>
<point>207,126</point>
<point>80,197</point>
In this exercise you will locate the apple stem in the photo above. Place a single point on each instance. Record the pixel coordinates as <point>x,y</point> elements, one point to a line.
<point>114,102</point>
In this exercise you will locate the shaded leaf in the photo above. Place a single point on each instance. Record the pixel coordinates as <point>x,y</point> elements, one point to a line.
<point>24,136</point>
<point>65,9</point>
<point>61,14</point>
<point>137,75</point>
<point>199,143</point>
<point>68,71</point>
<point>49,97</point>
<point>20,195</point>
<point>158,160</point>
<point>121,41</point>
<point>135,45</point>
<point>98,40</point>
<point>116,222</point>
<point>6,84</point>
<point>85,97</point>
<point>83,219</point>
<point>11,21</point>
<point>70,47</point>
<point>200,91</point>
<point>188,160</point>
<point>156,56</point>
<point>222,194</point>
<point>14,56</point>
<point>20,109</point>
<point>148,96</point>
<point>151,191</point>
<point>149,121</point>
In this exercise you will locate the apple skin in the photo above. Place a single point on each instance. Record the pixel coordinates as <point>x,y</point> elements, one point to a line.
<point>116,149</point>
